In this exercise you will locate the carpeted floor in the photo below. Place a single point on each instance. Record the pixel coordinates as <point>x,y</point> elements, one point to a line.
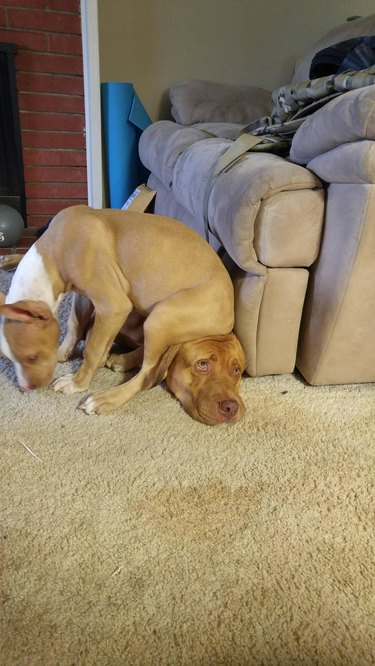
<point>143,538</point>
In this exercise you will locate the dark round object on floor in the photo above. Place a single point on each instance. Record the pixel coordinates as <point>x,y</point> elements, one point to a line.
<point>11,226</point>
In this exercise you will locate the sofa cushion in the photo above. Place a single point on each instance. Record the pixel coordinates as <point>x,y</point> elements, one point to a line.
<point>349,117</point>
<point>350,163</point>
<point>161,144</point>
<point>194,101</point>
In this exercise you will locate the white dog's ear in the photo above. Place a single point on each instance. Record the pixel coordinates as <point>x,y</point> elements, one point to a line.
<point>2,298</point>
<point>26,311</point>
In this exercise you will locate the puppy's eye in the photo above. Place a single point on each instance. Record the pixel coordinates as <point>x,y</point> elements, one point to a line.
<point>32,358</point>
<point>202,366</point>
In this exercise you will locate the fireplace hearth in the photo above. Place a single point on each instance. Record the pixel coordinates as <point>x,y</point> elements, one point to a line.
<point>12,184</point>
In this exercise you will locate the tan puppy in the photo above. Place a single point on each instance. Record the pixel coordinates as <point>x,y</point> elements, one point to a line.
<point>204,374</point>
<point>120,260</point>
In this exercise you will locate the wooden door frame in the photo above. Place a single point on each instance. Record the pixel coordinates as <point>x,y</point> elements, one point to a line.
<point>91,76</point>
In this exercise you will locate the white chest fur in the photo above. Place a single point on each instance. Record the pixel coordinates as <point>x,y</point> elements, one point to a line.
<point>32,281</point>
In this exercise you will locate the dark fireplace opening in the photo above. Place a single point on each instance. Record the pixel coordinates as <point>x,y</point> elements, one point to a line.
<point>12,183</point>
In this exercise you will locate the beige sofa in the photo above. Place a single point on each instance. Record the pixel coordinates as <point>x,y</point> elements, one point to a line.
<point>267,213</point>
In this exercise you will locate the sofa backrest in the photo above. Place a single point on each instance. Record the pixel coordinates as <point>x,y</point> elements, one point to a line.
<point>357,28</point>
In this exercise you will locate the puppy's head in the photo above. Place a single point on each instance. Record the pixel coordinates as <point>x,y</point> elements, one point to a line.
<point>205,375</point>
<point>29,336</point>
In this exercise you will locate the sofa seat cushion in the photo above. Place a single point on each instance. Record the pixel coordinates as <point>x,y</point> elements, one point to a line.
<point>349,117</point>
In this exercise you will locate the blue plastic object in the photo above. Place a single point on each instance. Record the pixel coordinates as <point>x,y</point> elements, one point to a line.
<point>124,119</point>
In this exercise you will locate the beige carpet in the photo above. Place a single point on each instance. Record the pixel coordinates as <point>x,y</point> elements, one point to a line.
<point>143,537</point>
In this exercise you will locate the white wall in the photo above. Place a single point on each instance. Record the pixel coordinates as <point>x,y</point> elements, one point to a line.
<point>152,43</point>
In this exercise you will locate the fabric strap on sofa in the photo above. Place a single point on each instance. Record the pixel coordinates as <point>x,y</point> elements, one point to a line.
<point>243,144</point>
<point>240,146</point>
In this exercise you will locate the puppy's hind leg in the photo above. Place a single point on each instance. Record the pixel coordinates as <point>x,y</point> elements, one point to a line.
<point>80,315</point>
<point>127,361</point>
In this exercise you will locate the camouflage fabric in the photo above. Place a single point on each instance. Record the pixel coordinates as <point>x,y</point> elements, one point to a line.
<point>289,99</point>
<point>294,102</point>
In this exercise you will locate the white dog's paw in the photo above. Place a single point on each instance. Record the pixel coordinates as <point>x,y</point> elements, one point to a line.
<point>65,384</point>
<point>63,354</point>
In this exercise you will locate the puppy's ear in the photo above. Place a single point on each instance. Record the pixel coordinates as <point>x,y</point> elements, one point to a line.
<point>26,311</point>
<point>239,350</point>
<point>164,363</point>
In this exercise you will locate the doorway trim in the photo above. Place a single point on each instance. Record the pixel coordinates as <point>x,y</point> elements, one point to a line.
<point>91,81</point>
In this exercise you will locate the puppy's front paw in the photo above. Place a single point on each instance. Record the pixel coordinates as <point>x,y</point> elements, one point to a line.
<point>66,385</point>
<point>96,404</point>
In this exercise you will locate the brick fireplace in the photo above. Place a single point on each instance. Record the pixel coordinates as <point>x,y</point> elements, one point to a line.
<point>49,76</point>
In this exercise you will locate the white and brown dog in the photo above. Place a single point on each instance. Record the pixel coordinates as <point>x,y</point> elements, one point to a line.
<point>118,262</point>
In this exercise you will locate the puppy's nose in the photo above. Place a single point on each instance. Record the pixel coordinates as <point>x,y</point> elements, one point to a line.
<point>229,408</point>
<point>27,388</point>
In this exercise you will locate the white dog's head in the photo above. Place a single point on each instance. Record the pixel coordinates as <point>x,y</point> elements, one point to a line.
<point>29,336</point>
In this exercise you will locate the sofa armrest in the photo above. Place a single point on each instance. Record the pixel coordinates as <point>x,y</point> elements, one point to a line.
<point>194,101</point>
<point>347,118</point>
